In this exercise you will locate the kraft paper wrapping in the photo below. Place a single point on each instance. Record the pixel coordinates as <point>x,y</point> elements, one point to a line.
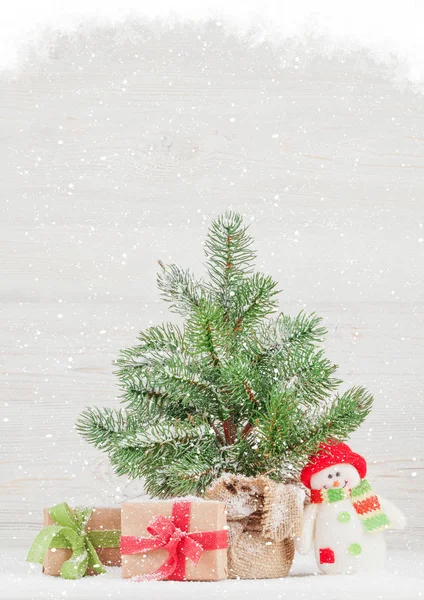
<point>101,519</point>
<point>204,516</point>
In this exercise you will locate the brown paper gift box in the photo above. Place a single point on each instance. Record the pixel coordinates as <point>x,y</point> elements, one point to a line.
<point>100,519</point>
<point>204,516</point>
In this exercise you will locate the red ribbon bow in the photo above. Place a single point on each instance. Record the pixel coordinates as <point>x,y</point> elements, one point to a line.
<point>172,535</point>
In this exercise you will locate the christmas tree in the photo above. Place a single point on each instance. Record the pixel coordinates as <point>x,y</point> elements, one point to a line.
<point>231,390</point>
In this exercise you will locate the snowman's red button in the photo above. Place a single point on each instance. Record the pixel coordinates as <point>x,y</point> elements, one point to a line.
<point>326,556</point>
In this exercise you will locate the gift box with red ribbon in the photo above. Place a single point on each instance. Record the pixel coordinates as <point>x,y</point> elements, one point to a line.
<point>180,540</point>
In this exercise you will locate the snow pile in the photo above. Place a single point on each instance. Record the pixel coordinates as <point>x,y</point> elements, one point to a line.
<point>402,581</point>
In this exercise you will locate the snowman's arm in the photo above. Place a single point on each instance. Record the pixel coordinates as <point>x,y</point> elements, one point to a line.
<point>303,542</point>
<point>396,517</point>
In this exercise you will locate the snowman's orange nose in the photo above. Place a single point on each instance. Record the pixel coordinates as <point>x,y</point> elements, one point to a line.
<point>336,484</point>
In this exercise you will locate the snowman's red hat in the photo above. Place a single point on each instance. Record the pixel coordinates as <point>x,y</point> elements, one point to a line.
<point>332,454</point>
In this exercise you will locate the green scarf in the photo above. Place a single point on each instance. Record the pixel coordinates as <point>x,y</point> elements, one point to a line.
<point>365,503</point>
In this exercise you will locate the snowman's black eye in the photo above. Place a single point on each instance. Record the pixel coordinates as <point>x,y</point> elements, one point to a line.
<point>330,477</point>
<point>338,474</point>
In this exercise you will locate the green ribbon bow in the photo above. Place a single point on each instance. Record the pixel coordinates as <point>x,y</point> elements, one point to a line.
<point>69,533</point>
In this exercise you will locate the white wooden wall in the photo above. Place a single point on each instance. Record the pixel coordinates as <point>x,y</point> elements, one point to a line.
<point>117,150</point>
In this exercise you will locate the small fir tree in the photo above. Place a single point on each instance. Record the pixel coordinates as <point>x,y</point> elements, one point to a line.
<point>232,390</point>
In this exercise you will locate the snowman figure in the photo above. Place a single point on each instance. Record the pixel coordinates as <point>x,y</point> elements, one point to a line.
<point>345,518</point>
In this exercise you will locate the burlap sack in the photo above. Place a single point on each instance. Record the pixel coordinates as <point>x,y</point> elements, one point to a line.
<point>263,516</point>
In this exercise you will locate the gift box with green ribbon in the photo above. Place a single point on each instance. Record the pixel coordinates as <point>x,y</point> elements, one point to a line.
<point>78,542</point>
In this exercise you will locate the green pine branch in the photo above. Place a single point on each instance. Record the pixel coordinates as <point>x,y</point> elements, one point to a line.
<point>286,434</point>
<point>255,300</point>
<point>104,428</point>
<point>230,257</point>
<point>233,389</point>
<point>179,288</point>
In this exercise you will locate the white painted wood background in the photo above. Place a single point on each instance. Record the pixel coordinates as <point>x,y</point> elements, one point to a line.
<point>117,149</point>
